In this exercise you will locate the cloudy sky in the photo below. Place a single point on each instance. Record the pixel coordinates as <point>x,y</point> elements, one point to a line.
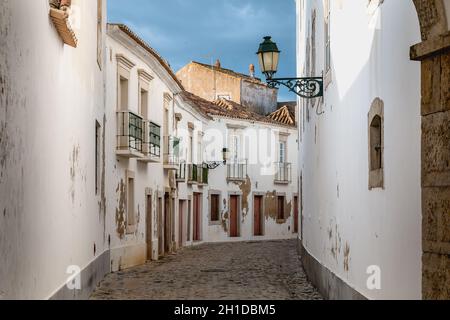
<point>206,30</point>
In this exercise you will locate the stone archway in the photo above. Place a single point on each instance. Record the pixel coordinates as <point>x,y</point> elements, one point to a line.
<point>434,54</point>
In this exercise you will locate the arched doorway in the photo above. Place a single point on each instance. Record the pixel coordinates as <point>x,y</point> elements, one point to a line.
<point>434,54</point>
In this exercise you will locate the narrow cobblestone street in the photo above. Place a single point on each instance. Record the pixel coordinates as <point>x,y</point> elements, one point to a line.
<point>254,270</point>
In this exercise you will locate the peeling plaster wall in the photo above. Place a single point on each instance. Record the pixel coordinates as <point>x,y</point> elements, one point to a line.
<point>346,227</point>
<point>258,181</point>
<point>129,249</point>
<point>259,98</point>
<point>186,191</point>
<point>49,102</point>
<point>208,84</point>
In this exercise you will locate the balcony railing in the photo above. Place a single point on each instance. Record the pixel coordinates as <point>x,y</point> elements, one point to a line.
<point>129,134</point>
<point>181,172</point>
<point>283,173</point>
<point>237,171</point>
<point>171,151</point>
<point>192,173</point>
<point>151,146</point>
<point>198,174</point>
<point>202,174</point>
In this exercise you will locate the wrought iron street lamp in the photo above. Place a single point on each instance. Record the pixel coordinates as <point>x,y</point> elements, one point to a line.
<point>215,164</point>
<point>306,87</point>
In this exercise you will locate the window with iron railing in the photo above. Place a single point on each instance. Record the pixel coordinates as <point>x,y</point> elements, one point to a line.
<point>202,174</point>
<point>205,175</point>
<point>130,131</point>
<point>136,127</point>
<point>181,172</point>
<point>283,172</point>
<point>237,170</point>
<point>176,147</point>
<point>192,173</point>
<point>155,140</point>
<point>171,150</point>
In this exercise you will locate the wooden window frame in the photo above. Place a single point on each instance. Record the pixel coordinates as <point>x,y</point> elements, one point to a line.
<point>218,194</point>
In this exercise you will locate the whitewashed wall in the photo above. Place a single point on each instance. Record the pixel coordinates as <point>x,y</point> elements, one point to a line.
<point>348,228</point>
<point>50,215</point>
<point>261,141</point>
<point>130,249</point>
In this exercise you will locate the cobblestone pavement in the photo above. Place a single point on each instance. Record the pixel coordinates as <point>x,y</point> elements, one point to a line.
<point>232,271</point>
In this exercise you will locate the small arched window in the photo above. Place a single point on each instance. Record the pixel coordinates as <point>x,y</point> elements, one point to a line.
<point>376,144</point>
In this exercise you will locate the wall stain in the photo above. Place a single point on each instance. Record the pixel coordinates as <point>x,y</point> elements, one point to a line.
<point>287,209</point>
<point>120,210</point>
<point>138,220</point>
<point>224,216</point>
<point>336,242</point>
<point>102,204</point>
<point>246,189</point>
<point>4,145</point>
<point>271,207</point>
<point>347,257</point>
<point>74,157</point>
<point>336,250</point>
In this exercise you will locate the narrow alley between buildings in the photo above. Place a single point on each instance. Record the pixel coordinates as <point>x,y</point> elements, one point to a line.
<point>199,167</point>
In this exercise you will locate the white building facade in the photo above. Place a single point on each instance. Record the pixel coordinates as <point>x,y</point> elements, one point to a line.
<point>167,183</point>
<point>359,163</point>
<point>256,190</point>
<point>52,112</point>
<point>253,195</point>
<point>144,147</point>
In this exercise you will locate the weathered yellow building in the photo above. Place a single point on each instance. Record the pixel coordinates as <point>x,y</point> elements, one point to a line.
<point>212,82</point>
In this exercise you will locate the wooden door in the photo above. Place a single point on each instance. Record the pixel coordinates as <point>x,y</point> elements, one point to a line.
<point>149,231</point>
<point>189,221</point>
<point>160,228</point>
<point>257,216</point>
<point>197,217</point>
<point>166,223</point>
<point>234,216</point>
<point>295,214</point>
<point>280,206</point>
<point>180,223</point>
<point>173,231</point>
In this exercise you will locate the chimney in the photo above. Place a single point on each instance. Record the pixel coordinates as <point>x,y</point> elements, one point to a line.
<point>251,69</point>
<point>217,65</point>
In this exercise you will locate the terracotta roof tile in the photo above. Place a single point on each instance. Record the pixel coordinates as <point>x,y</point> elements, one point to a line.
<point>292,105</point>
<point>228,109</point>
<point>283,115</point>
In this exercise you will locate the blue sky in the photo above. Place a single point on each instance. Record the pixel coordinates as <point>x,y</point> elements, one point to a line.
<point>206,30</point>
